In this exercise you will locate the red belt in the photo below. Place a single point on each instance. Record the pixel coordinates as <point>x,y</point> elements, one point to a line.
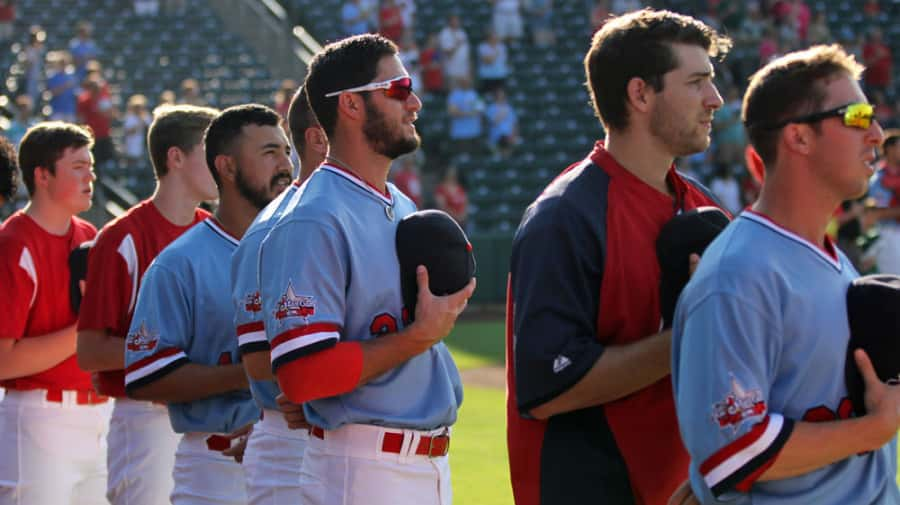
<point>433,447</point>
<point>88,397</point>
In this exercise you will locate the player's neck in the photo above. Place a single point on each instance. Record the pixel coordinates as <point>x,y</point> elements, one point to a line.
<point>798,208</point>
<point>370,167</point>
<point>235,213</point>
<point>640,157</point>
<point>49,216</point>
<point>175,202</point>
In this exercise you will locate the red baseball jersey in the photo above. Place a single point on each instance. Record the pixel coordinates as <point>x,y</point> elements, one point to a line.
<point>34,273</point>
<point>117,262</point>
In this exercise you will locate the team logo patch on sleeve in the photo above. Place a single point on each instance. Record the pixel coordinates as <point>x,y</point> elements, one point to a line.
<point>142,340</point>
<point>293,305</point>
<point>738,406</point>
<point>252,302</point>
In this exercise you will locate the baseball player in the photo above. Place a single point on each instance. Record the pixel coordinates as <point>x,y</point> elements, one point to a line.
<point>52,424</point>
<point>885,189</point>
<point>181,348</point>
<point>590,413</point>
<point>760,334</point>
<point>274,452</point>
<point>141,444</point>
<point>9,172</point>
<point>381,395</point>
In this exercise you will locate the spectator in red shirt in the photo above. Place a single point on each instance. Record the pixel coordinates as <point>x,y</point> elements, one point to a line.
<point>878,61</point>
<point>871,9</point>
<point>95,109</point>
<point>450,197</point>
<point>599,14</point>
<point>7,18</point>
<point>390,20</point>
<point>430,60</point>
<point>406,178</point>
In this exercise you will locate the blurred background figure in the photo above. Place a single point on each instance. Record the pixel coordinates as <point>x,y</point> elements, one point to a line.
<point>135,123</point>
<point>450,196</point>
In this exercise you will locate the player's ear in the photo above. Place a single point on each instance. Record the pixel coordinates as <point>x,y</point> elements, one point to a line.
<point>41,177</point>
<point>638,94</point>
<point>225,167</point>
<point>798,138</point>
<point>316,140</point>
<point>174,157</point>
<point>351,104</point>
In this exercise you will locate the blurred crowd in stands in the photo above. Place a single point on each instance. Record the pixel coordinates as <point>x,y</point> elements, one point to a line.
<point>469,76</point>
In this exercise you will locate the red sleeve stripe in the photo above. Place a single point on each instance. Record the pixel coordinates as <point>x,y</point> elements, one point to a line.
<point>735,457</point>
<point>252,329</point>
<point>298,338</point>
<point>252,337</point>
<point>150,364</point>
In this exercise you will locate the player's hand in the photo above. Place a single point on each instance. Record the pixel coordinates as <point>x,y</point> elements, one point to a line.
<point>684,495</point>
<point>882,401</point>
<point>293,413</point>
<point>238,443</point>
<point>436,315</point>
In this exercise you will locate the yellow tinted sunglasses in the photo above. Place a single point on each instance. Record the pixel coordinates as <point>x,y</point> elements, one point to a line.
<point>854,115</point>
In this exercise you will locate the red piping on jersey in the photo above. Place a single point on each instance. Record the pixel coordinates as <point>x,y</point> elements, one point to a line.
<point>385,193</point>
<point>829,245</point>
<point>331,372</point>
<point>220,228</point>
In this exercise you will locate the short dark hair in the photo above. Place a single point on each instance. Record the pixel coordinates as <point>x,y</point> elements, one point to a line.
<point>45,143</point>
<point>9,169</point>
<point>891,137</point>
<point>638,44</point>
<point>227,126</point>
<point>180,126</point>
<point>300,117</point>
<point>340,65</point>
<point>790,86</point>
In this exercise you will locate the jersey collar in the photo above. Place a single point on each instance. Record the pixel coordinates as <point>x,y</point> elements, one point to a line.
<point>385,197</point>
<point>833,260</point>
<point>216,226</point>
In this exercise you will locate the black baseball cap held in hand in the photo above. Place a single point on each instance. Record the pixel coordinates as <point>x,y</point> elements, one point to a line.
<point>873,311</point>
<point>434,239</point>
<point>687,233</point>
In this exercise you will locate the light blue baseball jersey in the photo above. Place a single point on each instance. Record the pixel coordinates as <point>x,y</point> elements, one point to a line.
<point>329,272</point>
<point>184,315</point>
<point>248,320</point>
<point>759,342</point>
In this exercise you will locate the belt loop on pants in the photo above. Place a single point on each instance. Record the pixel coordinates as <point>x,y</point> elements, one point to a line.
<point>433,446</point>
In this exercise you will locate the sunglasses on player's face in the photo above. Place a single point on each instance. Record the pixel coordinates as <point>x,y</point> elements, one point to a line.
<point>854,115</point>
<point>398,88</point>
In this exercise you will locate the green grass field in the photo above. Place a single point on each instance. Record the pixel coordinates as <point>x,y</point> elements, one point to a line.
<point>478,458</point>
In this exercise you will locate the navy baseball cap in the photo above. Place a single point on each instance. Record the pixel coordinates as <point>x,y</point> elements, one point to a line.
<point>689,232</point>
<point>872,311</point>
<point>434,239</point>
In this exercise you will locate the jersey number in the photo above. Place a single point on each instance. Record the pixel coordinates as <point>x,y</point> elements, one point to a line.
<point>822,413</point>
